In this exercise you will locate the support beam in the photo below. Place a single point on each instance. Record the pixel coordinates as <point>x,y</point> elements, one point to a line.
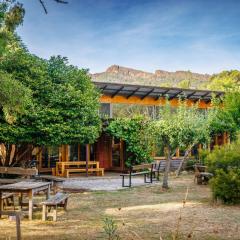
<point>117,91</point>
<point>152,90</point>
<point>190,95</point>
<point>175,95</point>
<point>133,92</point>
<point>162,95</point>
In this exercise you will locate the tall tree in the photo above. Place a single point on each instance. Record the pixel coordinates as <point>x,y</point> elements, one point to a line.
<point>14,97</point>
<point>182,128</point>
<point>64,110</point>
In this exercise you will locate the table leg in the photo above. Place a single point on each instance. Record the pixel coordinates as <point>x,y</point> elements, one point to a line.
<point>1,203</point>
<point>48,192</point>
<point>30,199</point>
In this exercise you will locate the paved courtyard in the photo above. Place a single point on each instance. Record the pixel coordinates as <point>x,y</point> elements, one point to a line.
<point>101,183</point>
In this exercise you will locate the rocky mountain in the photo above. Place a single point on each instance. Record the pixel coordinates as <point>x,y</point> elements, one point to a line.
<point>182,79</point>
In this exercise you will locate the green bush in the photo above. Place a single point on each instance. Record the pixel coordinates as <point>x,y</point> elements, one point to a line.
<point>224,163</point>
<point>190,164</point>
<point>138,136</point>
<point>225,157</point>
<point>203,154</point>
<point>226,186</point>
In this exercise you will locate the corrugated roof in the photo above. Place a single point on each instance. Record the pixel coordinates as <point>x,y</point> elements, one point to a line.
<point>142,91</point>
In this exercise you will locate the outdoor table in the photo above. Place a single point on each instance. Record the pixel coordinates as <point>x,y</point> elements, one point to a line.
<point>30,188</point>
<point>80,164</point>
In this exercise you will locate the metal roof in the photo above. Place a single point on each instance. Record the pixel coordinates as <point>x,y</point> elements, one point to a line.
<point>142,91</point>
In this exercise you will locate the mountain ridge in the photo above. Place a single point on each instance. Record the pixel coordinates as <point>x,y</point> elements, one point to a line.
<point>184,79</point>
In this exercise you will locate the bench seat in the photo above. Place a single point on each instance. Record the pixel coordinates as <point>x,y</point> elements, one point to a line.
<point>144,169</point>
<point>81,170</point>
<point>136,173</point>
<point>59,200</point>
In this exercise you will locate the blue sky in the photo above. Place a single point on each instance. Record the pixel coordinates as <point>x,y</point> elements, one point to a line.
<point>197,35</point>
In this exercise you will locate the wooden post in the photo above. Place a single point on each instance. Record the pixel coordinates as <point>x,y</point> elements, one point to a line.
<point>18,227</point>
<point>55,213</point>
<point>178,153</point>
<point>48,192</point>
<point>30,199</point>
<point>44,212</point>
<point>87,157</point>
<point>1,203</point>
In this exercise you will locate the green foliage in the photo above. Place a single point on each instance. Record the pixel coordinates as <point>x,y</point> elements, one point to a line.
<point>224,162</point>
<point>203,154</point>
<point>223,116</point>
<point>225,80</point>
<point>14,97</point>
<point>138,136</point>
<point>110,228</point>
<point>225,157</point>
<point>65,102</point>
<point>226,186</point>
<point>231,105</point>
<point>11,16</point>
<point>182,128</point>
<point>184,83</point>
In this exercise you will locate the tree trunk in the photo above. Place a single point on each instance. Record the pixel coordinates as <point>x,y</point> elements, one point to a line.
<point>184,159</point>
<point>167,169</point>
<point>15,154</point>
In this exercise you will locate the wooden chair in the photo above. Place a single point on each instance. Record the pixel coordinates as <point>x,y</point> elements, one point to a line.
<point>201,175</point>
<point>59,200</point>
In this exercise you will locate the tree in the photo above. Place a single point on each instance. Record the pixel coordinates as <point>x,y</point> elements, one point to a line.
<point>64,110</point>
<point>182,128</point>
<point>14,97</point>
<point>225,80</point>
<point>138,136</point>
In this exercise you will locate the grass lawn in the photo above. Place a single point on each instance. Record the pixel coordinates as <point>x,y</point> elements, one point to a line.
<point>141,213</point>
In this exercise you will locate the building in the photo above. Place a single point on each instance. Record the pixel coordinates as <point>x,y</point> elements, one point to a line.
<point>109,152</point>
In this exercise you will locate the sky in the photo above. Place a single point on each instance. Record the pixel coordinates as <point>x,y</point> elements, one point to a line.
<point>197,35</point>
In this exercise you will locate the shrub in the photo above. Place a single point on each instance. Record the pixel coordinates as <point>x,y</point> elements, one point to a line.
<point>226,186</point>
<point>224,163</point>
<point>226,157</point>
<point>138,136</point>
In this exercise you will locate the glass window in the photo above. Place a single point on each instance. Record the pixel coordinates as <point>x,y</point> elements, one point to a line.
<point>105,110</point>
<point>73,152</point>
<point>83,153</point>
<point>128,110</point>
<point>50,155</point>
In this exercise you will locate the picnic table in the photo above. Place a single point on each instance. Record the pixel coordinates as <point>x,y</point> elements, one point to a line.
<point>56,182</point>
<point>64,168</point>
<point>29,188</point>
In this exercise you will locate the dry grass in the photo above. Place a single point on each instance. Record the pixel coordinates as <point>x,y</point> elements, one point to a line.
<point>141,213</point>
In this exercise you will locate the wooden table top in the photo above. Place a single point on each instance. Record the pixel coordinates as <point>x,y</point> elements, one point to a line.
<point>23,186</point>
<point>77,163</point>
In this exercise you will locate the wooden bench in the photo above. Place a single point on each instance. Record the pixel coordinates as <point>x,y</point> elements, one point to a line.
<point>201,175</point>
<point>19,171</point>
<point>142,169</point>
<point>59,200</point>
<point>6,198</point>
<point>17,216</point>
<point>98,171</point>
